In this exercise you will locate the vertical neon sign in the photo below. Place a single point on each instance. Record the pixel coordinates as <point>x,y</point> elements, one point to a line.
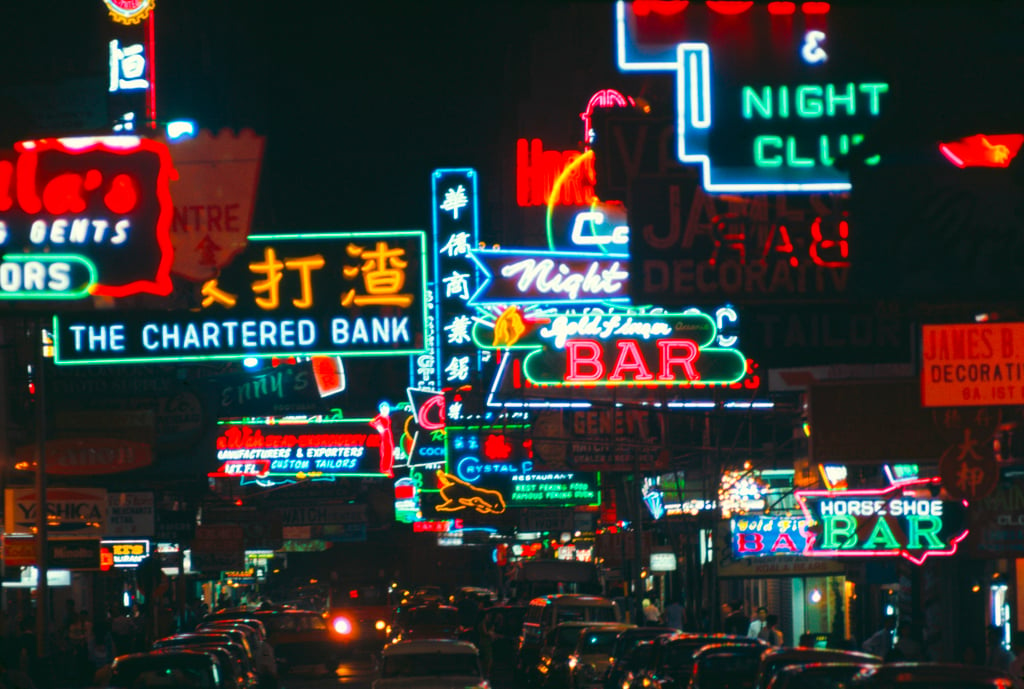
<point>456,278</point>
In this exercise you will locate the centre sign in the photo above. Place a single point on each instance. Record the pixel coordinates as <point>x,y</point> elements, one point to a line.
<point>318,294</point>
<point>904,520</point>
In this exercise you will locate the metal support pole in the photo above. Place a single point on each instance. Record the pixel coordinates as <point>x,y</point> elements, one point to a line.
<point>638,539</point>
<point>42,587</point>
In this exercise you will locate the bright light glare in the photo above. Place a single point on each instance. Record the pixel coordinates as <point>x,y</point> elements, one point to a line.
<point>180,129</point>
<point>342,625</point>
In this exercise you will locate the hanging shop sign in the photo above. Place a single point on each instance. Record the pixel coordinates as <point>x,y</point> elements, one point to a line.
<point>598,439</point>
<point>76,554</point>
<point>88,456</point>
<point>129,12</point>
<point>525,276</point>
<point>476,453</point>
<point>905,520</point>
<point>494,493</point>
<point>768,535</point>
<point>997,523</point>
<point>71,512</point>
<point>18,550</point>
<point>456,277</point>
<point>755,119</point>
<point>348,447</point>
<point>329,294</point>
<point>972,364</point>
<point>84,216</point>
<point>125,554</point>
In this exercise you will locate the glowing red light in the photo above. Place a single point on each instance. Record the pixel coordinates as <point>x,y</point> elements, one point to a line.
<point>353,593</point>
<point>814,8</point>
<point>781,8</point>
<point>238,502</point>
<point>497,447</point>
<point>983,150</point>
<point>665,8</point>
<point>729,7</point>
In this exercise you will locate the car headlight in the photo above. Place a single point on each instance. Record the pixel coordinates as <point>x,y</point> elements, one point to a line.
<point>342,625</point>
<point>380,625</point>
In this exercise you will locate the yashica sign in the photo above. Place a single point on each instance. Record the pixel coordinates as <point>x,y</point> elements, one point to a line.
<point>905,520</point>
<point>330,294</point>
<point>72,512</point>
<point>85,216</point>
<point>974,364</point>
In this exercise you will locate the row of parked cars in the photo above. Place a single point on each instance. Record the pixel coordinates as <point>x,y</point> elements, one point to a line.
<point>576,642</point>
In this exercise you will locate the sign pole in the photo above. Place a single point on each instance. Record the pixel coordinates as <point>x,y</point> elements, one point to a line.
<point>42,586</point>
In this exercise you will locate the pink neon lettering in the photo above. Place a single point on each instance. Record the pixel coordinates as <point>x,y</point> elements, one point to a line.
<point>784,539</point>
<point>630,359</point>
<point>423,417</point>
<point>751,543</point>
<point>583,353</point>
<point>538,170</point>
<point>667,348</point>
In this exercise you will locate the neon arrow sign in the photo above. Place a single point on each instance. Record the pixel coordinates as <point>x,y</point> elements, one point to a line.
<point>903,520</point>
<point>550,277</point>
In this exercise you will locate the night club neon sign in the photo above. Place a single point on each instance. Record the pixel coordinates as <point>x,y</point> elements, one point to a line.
<point>903,520</point>
<point>752,137</point>
<point>85,216</point>
<point>323,294</point>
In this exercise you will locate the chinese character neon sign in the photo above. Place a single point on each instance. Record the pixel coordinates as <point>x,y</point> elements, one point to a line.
<point>323,294</point>
<point>904,520</point>
<point>746,130</point>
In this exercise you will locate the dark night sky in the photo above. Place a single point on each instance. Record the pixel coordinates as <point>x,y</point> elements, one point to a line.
<point>361,100</point>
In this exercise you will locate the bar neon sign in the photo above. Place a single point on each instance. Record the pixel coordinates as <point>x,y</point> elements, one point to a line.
<point>904,520</point>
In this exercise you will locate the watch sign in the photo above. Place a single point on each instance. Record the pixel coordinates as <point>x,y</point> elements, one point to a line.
<point>905,520</point>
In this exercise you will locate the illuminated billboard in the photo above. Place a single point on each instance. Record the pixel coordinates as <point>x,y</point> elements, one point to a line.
<point>347,447</point>
<point>972,364</point>
<point>907,520</point>
<point>85,216</point>
<point>756,115</point>
<point>768,535</point>
<point>320,294</point>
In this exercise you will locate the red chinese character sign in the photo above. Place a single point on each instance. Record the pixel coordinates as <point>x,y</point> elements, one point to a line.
<point>909,519</point>
<point>85,216</point>
<point>330,294</point>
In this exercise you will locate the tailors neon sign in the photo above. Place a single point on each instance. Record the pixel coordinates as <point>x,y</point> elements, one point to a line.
<point>322,294</point>
<point>350,447</point>
<point>748,135</point>
<point>85,216</point>
<point>904,520</point>
<point>549,277</point>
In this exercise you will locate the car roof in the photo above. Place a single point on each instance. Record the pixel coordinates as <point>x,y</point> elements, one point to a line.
<point>185,655</point>
<point>419,646</point>
<point>813,655</point>
<point>730,648</point>
<point>573,599</point>
<point>941,672</point>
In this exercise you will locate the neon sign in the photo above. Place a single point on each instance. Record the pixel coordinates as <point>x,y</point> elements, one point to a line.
<point>904,520</point>
<point>476,452</point>
<point>325,294</point>
<point>458,495</point>
<point>981,150</point>
<point>129,12</point>
<point>456,232</point>
<point>643,349</point>
<point>85,215</point>
<point>350,447</point>
<point>768,535</point>
<point>537,277</point>
<point>567,488</point>
<point>752,136</point>
<point>126,554</point>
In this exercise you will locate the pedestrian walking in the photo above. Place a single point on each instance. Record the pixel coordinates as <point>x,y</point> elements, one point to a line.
<point>674,614</point>
<point>651,613</point>
<point>736,621</point>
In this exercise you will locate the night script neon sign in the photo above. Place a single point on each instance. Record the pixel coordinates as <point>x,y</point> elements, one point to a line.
<point>905,520</point>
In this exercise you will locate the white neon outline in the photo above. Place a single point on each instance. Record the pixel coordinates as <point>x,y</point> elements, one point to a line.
<point>701,117</point>
<point>488,277</point>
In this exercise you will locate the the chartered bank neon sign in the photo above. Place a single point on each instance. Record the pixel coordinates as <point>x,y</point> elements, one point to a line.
<point>904,520</point>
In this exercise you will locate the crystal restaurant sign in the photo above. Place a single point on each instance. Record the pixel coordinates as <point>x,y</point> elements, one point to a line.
<point>322,294</point>
<point>85,216</point>
<point>905,520</point>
